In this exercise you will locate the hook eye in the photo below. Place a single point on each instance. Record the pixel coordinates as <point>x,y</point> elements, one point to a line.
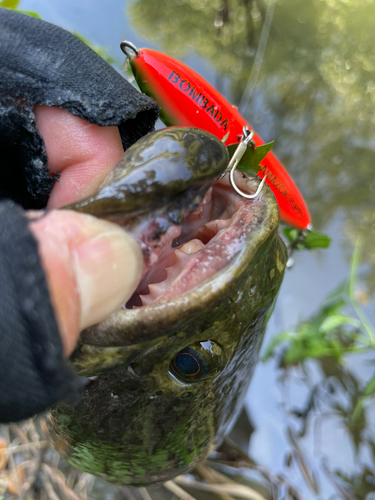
<point>125,46</point>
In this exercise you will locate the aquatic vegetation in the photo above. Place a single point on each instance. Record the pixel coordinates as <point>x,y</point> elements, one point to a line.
<point>324,353</point>
<point>334,331</point>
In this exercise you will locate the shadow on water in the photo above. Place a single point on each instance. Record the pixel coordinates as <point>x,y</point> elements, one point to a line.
<point>309,420</point>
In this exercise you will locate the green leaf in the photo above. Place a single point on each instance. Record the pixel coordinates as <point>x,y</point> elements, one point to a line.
<point>312,239</point>
<point>354,269</point>
<point>334,321</point>
<point>368,392</point>
<point>252,157</point>
<point>370,387</point>
<point>370,331</point>
<point>278,339</point>
<point>291,234</point>
<point>9,4</point>
<point>13,5</point>
<point>316,240</point>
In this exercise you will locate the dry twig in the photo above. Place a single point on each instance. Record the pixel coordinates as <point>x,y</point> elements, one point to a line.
<point>21,448</point>
<point>55,476</point>
<point>144,494</point>
<point>52,495</point>
<point>233,489</point>
<point>209,475</point>
<point>176,490</point>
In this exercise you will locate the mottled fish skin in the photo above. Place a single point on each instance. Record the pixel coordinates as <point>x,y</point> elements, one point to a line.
<point>139,423</point>
<point>157,172</point>
<point>42,63</point>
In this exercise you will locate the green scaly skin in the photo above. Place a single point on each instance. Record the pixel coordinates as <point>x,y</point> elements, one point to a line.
<point>137,424</point>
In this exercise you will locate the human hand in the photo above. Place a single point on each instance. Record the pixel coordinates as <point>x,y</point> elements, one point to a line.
<point>92,266</point>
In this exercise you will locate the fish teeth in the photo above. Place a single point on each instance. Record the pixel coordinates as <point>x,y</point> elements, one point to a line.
<point>175,270</point>
<point>182,258</point>
<point>218,224</point>
<point>158,289</point>
<point>192,246</point>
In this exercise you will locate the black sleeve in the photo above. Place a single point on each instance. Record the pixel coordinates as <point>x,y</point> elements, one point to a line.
<point>33,373</point>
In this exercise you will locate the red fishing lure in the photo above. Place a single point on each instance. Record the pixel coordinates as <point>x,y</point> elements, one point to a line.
<point>186,98</point>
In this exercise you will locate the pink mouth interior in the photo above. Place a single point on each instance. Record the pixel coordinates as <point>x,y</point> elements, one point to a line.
<point>210,238</point>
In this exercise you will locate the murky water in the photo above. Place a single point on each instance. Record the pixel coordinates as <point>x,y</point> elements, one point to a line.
<point>315,96</point>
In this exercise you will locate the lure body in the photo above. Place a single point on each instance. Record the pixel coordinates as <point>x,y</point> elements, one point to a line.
<point>188,99</point>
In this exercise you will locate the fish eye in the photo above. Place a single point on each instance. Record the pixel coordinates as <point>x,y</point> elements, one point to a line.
<point>198,361</point>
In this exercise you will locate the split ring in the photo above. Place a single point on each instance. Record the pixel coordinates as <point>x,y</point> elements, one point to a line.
<point>125,46</point>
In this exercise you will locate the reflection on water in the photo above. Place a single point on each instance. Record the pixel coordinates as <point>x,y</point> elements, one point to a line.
<point>315,95</point>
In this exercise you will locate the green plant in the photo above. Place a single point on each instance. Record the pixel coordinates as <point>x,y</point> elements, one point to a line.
<point>340,328</point>
<point>308,241</point>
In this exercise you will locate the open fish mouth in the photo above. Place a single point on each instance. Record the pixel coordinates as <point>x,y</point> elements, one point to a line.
<point>209,239</point>
<point>193,267</point>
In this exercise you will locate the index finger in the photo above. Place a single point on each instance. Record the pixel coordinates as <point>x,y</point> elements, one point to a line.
<point>81,152</point>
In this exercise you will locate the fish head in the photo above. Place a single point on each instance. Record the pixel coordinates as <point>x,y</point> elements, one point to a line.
<point>167,374</point>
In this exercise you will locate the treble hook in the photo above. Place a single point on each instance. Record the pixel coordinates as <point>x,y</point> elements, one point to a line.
<point>246,140</point>
<point>291,247</point>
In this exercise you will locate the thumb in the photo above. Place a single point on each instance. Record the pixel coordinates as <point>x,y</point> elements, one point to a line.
<point>92,268</point>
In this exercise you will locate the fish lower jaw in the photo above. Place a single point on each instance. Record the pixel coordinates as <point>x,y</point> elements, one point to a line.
<point>209,239</point>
